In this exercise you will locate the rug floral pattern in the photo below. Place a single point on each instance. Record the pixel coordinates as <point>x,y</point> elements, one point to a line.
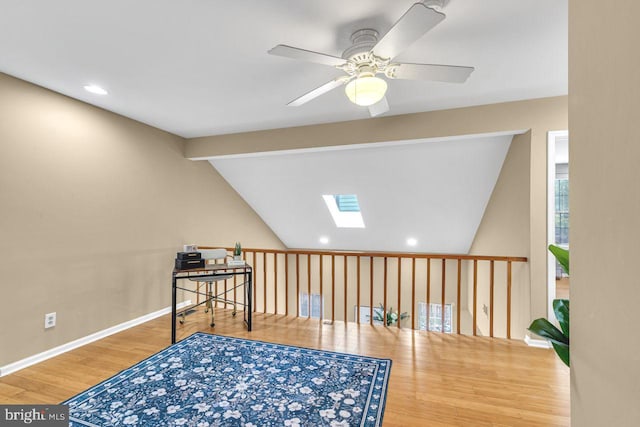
<point>211,380</point>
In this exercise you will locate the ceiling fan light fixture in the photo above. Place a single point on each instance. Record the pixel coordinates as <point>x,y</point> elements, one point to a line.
<point>365,91</point>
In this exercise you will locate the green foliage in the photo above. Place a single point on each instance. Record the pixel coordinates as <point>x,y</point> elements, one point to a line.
<point>392,316</point>
<point>561,309</point>
<point>562,255</point>
<point>559,339</point>
<point>542,327</point>
<point>237,251</point>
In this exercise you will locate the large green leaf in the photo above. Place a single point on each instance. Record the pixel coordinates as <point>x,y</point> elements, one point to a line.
<point>563,352</point>
<point>545,329</point>
<point>562,255</point>
<point>561,309</point>
<point>559,341</point>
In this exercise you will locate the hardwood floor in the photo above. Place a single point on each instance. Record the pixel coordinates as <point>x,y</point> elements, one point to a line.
<point>562,288</point>
<point>436,379</point>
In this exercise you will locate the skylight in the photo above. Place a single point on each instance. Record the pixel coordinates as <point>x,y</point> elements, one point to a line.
<point>347,202</point>
<point>345,210</point>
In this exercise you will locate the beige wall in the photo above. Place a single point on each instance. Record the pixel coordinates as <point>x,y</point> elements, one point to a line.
<point>604,107</point>
<point>505,230</point>
<point>94,207</point>
<point>538,116</point>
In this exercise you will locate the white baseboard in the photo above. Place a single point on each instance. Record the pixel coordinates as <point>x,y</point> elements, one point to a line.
<point>37,358</point>
<point>534,342</point>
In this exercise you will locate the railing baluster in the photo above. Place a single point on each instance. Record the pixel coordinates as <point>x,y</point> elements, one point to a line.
<point>255,287</point>
<point>333,288</point>
<point>399,289</point>
<point>235,282</point>
<point>491,300</point>
<point>321,293</point>
<point>371,292</point>
<point>444,281</point>
<point>297,285</point>
<point>428,294</point>
<point>413,293</point>
<point>458,301</point>
<point>509,299</point>
<point>357,315</point>
<point>275,282</point>
<point>344,264</point>
<point>309,285</point>
<point>475,296</point>
<point>384,306</point>
<point>264,282</point>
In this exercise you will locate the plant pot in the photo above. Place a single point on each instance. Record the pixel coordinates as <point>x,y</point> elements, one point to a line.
<point>237,257</point>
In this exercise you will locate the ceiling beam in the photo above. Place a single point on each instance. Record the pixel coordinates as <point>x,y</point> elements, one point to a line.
<point>508,116</point>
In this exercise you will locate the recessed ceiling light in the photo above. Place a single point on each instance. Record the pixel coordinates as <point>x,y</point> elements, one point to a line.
<point>324,240</point>
<point>411,241</point>
<point>95,89</point>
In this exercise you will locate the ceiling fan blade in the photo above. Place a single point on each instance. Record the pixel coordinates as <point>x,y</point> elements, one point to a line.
<point>379,107</point>
<point>306,55</point>
<point>410,27</point>
<point>439,73</point>
<point>321,90</point>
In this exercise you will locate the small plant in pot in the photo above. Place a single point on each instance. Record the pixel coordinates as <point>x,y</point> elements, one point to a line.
<point>542,327</point>
<point>392,316</point>
<point>237,252</point>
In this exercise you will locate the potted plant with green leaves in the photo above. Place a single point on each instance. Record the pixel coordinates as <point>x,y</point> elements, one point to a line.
<point>237,252</point>
<point>559,337</point>
<point>392,316</point>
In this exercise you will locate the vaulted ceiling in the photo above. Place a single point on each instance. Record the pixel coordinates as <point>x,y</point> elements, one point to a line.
<point>434,191</point>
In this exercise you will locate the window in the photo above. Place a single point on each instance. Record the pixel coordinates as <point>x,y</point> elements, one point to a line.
<point>365,312</point>
<point>316,305</point>
<point>561,211</point>
<point>435,317</point>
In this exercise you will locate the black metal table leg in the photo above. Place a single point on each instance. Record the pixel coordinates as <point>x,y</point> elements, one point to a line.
<point>250,303</point>
<point>173,309</point>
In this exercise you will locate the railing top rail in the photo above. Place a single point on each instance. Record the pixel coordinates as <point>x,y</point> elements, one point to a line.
<point>379,254</point>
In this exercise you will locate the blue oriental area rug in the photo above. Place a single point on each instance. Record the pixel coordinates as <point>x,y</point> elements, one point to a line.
<point>211,380</point>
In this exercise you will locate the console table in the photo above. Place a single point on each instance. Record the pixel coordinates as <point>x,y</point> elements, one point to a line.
<point>210,272</point>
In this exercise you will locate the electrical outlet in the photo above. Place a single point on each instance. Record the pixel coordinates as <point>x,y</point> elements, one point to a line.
<point>485,309</point>
<point>49,320</point>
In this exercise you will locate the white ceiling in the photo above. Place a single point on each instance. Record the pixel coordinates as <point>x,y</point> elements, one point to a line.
<point>433,190</point>
<point>195,67</point>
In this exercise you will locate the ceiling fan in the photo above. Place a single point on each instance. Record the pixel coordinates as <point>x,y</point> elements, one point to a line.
<point>369,56</point>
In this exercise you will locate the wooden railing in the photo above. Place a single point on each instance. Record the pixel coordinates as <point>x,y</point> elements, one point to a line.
<point>279,277</point>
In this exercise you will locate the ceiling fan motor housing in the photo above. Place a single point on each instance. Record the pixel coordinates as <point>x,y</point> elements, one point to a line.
<point>362,42</point>
<point>361,62</point>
